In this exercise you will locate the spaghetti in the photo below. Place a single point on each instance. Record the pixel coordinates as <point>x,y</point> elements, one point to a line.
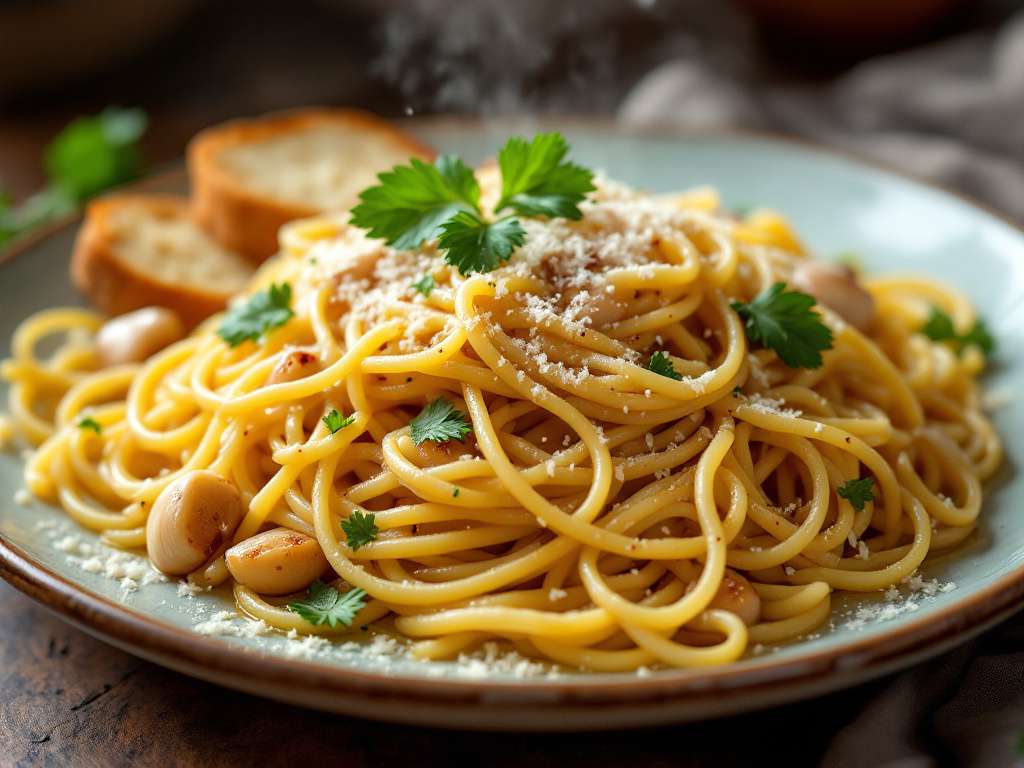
<point>600,515</point>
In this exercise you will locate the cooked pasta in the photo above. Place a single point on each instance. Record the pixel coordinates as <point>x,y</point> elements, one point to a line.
<point>642,485</point>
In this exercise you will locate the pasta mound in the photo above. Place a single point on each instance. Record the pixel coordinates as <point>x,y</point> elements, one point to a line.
<point>600,514</point>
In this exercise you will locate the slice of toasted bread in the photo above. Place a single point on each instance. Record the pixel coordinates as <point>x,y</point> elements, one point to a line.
<point>144,250</point>
<point>249,177</point>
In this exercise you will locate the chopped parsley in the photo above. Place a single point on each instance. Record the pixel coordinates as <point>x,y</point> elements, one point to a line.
<point>440,422</point>
<point>425,284</point>
<point>662,365</point>
<point>90,423</point>
<point>784,321</point>
<point>858,492</point>
<point>359,529</point>
<point>260,313</point>
<point>325,605</point>
<point>939,327</point>
<point>420,202</point>
<point>335,421</point>
<point>455,493</point>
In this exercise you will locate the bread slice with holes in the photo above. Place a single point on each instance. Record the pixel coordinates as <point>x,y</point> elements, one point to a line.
<point>136,251</point>
<point>249,177</point>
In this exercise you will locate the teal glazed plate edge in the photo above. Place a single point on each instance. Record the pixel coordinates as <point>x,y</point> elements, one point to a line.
<point>837,204</point>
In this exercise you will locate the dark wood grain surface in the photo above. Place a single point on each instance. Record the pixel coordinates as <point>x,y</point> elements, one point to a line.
<point>70,700</point>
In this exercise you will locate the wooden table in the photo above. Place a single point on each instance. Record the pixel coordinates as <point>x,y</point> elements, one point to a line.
<point>69,699</point>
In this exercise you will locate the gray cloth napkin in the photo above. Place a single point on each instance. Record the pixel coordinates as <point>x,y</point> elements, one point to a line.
<point>951,112</point>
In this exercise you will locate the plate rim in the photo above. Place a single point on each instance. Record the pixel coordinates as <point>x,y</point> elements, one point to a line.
<point>197,655</point>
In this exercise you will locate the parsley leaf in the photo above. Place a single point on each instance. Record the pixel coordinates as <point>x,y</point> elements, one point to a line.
<point>858,492</point>
<point>979,337</point>
<point>325,605</point>
<point>334,420</point>
<point>535,180</point>
<point>440,422</point>
<point>784,321</point>
<point>939,327</point>
<point>359,529</point>
<point>662,365</point>
<point>412,201</point>
<point>261,312</point>
<point>94,153</point>
<point>90,423</point>
<point>475,245</point>
<point>425,284</point>
<point>89,156</point>
<point>419,202</point>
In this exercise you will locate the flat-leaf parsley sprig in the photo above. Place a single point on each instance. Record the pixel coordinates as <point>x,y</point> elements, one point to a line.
<point>420,202</point>
<point>661,364</point>
<point>326,605</point>
<point>439,422</point>
<point>785,321</point>
<point>260,313</point>
<point>335,421</point>
<point>858,492</point>
<point>939,327</point>
<point>360,529</point>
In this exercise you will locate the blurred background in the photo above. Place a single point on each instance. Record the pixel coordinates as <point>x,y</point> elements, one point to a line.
<point>936,86</point>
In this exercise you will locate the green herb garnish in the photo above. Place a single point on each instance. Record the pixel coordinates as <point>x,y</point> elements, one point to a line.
<point>335,421</point>
<point>537,181</point>
<point>90,423</point>
<point>440,422</point>
<point>939,327</point>
<point>473,244</point>
<point>261,312</point>
<point>89,156</point>
<point>784,321</point>
<point>425,284</point>
<point>412,201</point>
<point>661,364</point>
<point>325,605</point>
<point>420,202</point>
<point>359,529</point>
<point>858,492</point>
<point>94,153</point>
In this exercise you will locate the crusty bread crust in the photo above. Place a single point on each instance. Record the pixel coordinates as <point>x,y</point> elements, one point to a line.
<point>114,284</point>
<point>245,220</point>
